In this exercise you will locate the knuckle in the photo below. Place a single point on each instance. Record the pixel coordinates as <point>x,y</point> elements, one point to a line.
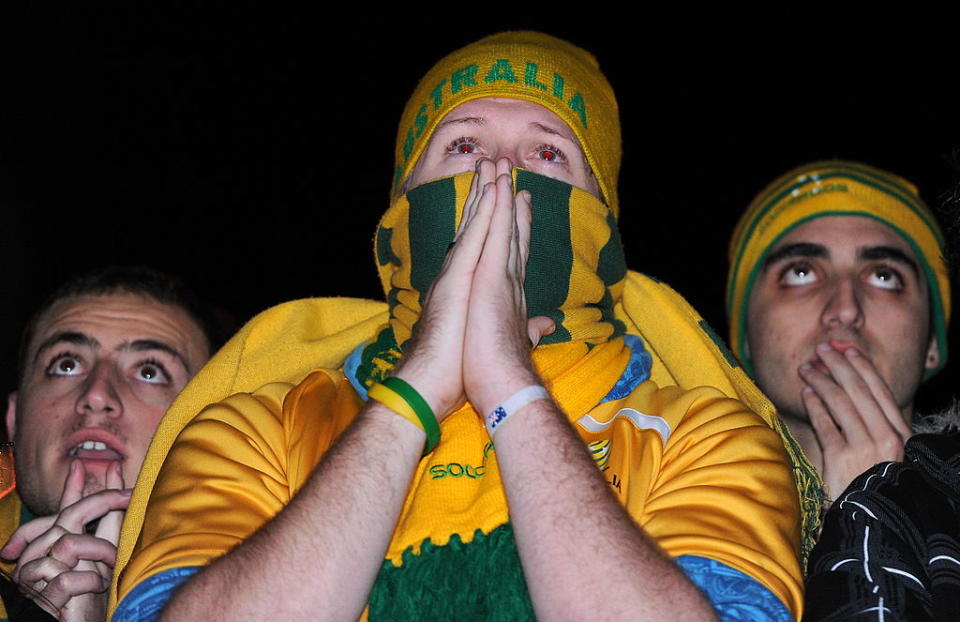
<point>64,547</point>
<point>890,447</point>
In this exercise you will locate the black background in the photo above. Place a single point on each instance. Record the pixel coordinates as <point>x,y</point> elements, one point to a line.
<point>250,148</point>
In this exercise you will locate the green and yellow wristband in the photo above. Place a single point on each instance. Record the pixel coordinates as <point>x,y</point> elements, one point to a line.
<point>404,400</point>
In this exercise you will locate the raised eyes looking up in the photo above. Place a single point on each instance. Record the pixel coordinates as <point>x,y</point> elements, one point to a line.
<point>885,277</point>
<point>802,273</point>
<point>149,370</point>
<point>797,273</point>
<point>469,146</point>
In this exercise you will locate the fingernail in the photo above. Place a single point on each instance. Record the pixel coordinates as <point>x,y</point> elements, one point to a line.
<point>823,347</point>
<point>852,352</point>
<point>806,367</point>
<point>808,390</point>
<point>127,491</point>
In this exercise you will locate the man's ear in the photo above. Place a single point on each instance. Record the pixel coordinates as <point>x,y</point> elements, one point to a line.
<point>933,355</point>
<point>11,415</point>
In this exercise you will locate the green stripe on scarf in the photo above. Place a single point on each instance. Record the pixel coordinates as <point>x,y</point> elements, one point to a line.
<point>548,283</point>
<point>433,212</point>
<point>611,269</point>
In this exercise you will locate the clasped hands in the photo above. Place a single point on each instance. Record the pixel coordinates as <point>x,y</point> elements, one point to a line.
<point>473,339</point>
<point>59,565</point>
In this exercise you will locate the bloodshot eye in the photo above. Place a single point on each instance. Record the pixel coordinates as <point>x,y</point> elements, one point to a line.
<point>550,153</point>
<point>462,146</point>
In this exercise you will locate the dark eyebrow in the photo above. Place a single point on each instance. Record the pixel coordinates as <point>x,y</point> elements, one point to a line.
<point>67,336</point>
<point>80,339</point>
<point>890,253</point>
<point>145,345</point>
<point>800,249</point>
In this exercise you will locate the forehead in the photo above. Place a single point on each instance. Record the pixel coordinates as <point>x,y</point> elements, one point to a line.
<point>502,112</point>
<point>845,235</point>
<point>114,319</point>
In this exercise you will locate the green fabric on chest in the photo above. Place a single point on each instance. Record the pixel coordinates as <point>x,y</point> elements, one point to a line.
<point>481,580</point>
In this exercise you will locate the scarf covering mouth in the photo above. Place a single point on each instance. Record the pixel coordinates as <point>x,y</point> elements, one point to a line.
<point>575,271</point>
<point>834,188</point>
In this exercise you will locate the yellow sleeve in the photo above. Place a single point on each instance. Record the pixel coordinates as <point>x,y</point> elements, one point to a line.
<point>234,467</point>
<point>724,490</point>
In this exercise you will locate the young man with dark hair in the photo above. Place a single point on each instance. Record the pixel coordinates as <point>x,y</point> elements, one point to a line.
<point>838,298</point>
<point>100,362</point>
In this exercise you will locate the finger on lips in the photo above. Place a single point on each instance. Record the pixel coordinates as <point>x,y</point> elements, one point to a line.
<point>73,486</point>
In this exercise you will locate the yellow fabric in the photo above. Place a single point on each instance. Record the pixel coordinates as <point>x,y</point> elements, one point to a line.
<point>300,331</point>
<point>718,486</point>
<point>687,353</point>
<point>834,188</point>
<point>525,65</point>
<point>282,344</point>
<point>10,507</point>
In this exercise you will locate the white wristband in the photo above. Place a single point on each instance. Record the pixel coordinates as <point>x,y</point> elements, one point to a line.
<point>514,403</point>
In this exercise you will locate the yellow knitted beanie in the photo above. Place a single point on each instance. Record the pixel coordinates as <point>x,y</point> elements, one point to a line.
<point>525,65</point>
<point>834,188</point>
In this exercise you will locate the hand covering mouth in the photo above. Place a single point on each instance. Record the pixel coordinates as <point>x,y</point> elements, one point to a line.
<point>94,450</point>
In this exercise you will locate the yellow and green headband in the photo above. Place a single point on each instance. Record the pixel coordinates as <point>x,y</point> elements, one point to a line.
<point>834,188</point>
<point>525,65</point>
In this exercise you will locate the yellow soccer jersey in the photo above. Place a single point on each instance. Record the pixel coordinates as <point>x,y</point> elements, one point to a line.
<point>703,476</point>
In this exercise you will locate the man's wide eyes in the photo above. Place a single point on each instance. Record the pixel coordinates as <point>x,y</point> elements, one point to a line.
<point>65,364</point>
<point>152,372</point>
<point>799,273</point>
<point>885,278</point>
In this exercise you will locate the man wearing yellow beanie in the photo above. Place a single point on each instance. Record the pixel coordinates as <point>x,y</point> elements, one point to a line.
<point>416,460</point>
<point>838,298</point>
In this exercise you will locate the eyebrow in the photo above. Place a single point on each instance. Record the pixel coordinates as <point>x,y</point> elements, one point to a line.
<point>137,345</point>
<point>890,253</point>
<point>865,253</point>
<point>78,339</point>
<point>549,130</point>
<point>461,121</point>
<point>145,345</point>
<point>481,121</point>
<point>800,249</point>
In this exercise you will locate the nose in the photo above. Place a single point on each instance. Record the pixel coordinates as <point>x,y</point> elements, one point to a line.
<point>503,150</point>
<point>99,394</point>
<point>843,309</point>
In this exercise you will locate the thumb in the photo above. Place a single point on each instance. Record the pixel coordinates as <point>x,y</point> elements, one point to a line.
<point>539,327</point>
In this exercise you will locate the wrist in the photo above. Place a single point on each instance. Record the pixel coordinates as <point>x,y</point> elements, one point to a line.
<point>513,405</point>
<point>437,395</point>
<point>490,393</point>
